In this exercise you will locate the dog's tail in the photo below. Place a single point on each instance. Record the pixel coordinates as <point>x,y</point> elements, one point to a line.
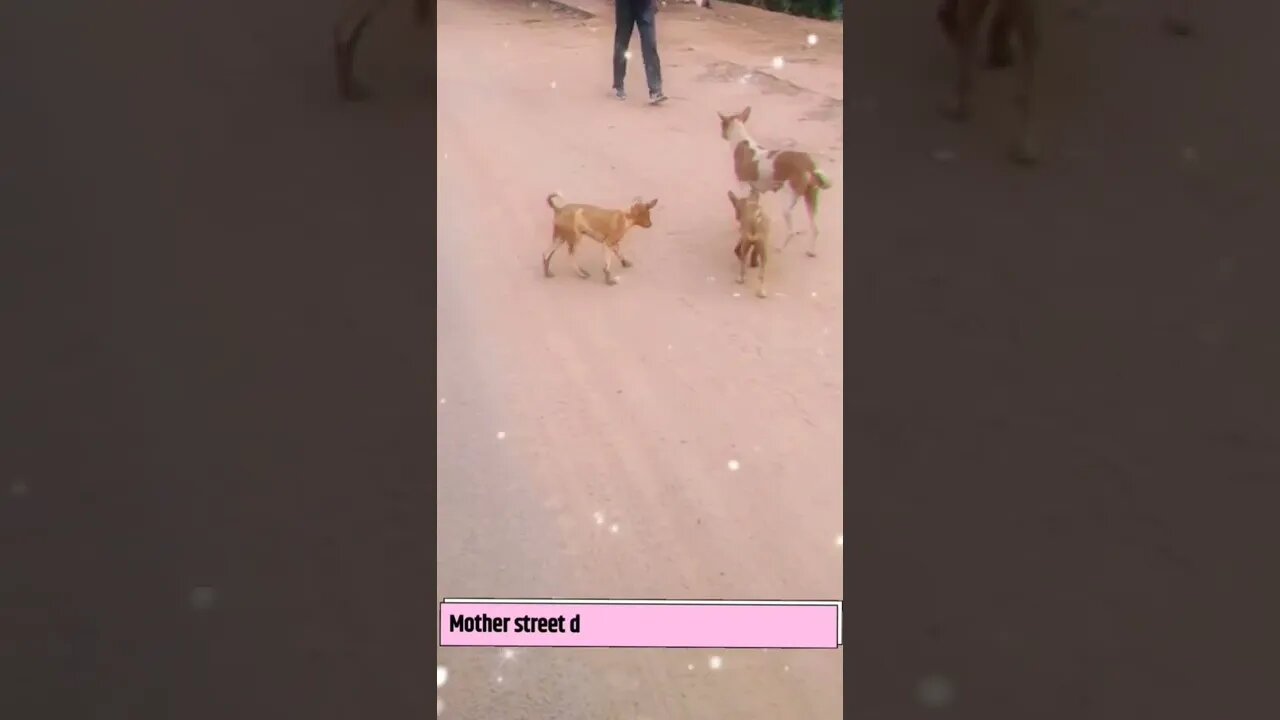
<point>821,179</point>
<point>551,201</point>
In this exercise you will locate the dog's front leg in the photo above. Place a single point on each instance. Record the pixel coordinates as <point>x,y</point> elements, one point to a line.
<point>811,207</point>
<point>744,254</point>
<point>609,252</point>
<point>764,261</point>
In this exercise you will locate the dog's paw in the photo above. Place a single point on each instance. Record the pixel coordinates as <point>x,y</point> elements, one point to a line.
<point>810,253</point>
<point>610,280</point>
<point>583,274</point>
<point>626,263</point>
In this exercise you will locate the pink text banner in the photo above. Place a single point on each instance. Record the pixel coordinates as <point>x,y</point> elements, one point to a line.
<point>780,624</point>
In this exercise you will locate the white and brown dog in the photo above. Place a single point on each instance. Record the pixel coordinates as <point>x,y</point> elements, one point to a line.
<point>793,173</point>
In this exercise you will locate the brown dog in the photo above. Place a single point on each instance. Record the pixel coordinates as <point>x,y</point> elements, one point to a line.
<point>573,222</point>
<point>961,21</point>
<point>753,236</point>
<point>792,172</point>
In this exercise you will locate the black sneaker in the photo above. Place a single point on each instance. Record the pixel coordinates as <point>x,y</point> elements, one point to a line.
<point>657,98</point>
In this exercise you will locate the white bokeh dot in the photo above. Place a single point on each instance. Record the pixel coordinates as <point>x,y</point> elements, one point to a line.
<point>501,434</point>
<point>778,62</point>
<point>442,676</point>
<point>202,598</point>
<point>812,39</point>
<point>715,662</point>
<point>935,691</point>
<point>733,465</point>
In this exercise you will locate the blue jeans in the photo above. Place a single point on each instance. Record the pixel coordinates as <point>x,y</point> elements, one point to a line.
<point>636,14</point>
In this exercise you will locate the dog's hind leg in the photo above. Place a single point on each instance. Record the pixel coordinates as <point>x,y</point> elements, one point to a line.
<point>609,252</point>
<point>763,256</point>
<point>743,252</point>
<point>790,198</point>
<point>556,242</point>
<point>573,258</point>
<point>811,208</point>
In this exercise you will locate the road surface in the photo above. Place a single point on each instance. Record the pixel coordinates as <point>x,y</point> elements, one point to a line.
<point>586,432</point>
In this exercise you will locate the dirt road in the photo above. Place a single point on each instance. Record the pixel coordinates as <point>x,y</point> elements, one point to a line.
<point>621,408</point>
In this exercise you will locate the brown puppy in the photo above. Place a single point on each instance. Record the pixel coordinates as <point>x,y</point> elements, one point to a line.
<point>753,236</point>
<point>793,173</point>
<point>572,222</point>
<point>961,21</point>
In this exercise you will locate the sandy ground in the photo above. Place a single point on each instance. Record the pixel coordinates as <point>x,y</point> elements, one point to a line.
<point>1061,442</point>
<point>623,406</point>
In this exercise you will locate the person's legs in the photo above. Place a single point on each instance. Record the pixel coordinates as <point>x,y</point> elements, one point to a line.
<point>625,21</point>
<point>649,47</point>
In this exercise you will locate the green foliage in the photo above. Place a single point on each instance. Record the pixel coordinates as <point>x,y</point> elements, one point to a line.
<point>821,9</point>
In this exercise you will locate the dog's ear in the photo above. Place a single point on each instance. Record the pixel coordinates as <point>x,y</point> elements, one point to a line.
<point>722,116</point>
<point>746,113</point>
<point>651,203</point>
